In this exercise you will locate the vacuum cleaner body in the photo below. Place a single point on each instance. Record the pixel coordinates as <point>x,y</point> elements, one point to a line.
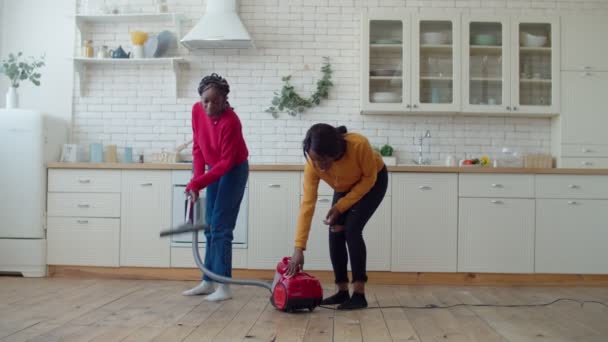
<point>300,291</point>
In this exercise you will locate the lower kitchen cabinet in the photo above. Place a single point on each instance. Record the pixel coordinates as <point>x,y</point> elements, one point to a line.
<point>83,241</point>
<point>273,210</point>
<point>145,211</point>
<point>571,236</point>
<point>496,235</point>
<point>424,218</point>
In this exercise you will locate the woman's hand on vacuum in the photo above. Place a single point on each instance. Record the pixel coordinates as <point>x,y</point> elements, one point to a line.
<point>332,216</point>
<point>193,194</point>
<point>297,261</point>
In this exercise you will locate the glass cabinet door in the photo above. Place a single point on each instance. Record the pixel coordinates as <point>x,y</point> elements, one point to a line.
<point>437,83</point>
<point>535,73</point>
<point>486,78</point>
<point>385,70</point>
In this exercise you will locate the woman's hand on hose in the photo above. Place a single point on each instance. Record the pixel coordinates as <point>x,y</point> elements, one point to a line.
<point>296,263</point>
<point>193,194</point>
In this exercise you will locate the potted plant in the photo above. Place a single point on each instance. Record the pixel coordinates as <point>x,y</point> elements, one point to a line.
<point>17,69</point>
<point>386,152</point>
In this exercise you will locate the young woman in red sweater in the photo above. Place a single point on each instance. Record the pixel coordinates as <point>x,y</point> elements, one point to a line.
<point>219,156</point>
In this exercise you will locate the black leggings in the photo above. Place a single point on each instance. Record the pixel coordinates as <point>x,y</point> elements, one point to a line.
<point>354,220</point>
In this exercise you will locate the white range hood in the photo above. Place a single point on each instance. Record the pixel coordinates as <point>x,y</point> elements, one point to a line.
<point>220,27</point>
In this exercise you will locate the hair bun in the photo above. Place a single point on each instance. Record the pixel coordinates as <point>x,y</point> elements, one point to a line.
<point>341,129</point>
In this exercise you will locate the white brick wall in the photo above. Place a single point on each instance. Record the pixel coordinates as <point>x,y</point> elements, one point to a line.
<point>133,106</point>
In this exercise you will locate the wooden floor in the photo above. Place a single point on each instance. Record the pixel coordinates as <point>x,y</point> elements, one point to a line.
<point>59,309</point>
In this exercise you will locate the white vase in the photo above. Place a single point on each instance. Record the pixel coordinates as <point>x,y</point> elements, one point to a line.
<point>390,161</point>
<point>138,51</point>
<point>12,98</point>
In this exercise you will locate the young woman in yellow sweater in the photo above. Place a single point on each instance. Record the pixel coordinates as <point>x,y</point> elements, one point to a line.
<point>347,162</point>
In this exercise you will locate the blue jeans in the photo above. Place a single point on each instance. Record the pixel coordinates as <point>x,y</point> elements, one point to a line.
<point>223,204</point>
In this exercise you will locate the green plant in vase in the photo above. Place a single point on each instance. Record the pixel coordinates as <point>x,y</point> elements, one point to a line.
<point>19,69</point>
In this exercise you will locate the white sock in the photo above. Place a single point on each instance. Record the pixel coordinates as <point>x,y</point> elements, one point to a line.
<point>205,287</point>
<point>221,293</point>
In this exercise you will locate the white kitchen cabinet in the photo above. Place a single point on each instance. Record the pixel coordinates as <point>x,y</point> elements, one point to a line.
<point>510,65</point>
<point>584,115</point>
<point>182,257</point>
<point>273,210</point>
<point>377,235</point>
<point>436,62</point>
<point>584,42</point>
<point>83,241</point>
<point>398,79</point>
<point>571,236</point>
<point>317,248</point>
<point>496,235</point>
<point>83,217</point>
<point>146,210</point>
<point>424,222</point>
<point>385,62</point>
<point>535,65</point>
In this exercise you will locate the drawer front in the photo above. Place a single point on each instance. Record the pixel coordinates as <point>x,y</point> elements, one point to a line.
<point>584,163</point>
<point>83,241</point>
<point>83,205</point>
<point>496,185</point>
<point>585,150</point>
<point>84,180</point>
<point>326,190</point>
<point>572,186</point>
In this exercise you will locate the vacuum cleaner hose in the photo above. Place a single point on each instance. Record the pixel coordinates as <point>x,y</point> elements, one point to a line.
<point>219,278</point>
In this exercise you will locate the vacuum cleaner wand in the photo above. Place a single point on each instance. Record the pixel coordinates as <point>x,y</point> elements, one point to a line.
<point>195,228</point>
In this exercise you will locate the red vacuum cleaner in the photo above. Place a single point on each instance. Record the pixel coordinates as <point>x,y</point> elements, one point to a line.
<point>289,294</point>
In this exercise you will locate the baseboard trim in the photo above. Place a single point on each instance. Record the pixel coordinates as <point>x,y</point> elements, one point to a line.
<point>384,278</point>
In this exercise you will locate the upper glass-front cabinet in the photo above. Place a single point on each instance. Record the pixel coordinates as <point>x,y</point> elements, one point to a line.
<point>385,78</point>
<point>486,86</point>
<point>536,72</point>
<point>436,63</point>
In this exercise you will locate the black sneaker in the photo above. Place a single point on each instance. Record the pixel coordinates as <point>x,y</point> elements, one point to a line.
<point>357,301</point>
<point>339,298</point>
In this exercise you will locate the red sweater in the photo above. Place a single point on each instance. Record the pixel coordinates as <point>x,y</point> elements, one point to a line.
<point>217,142</point>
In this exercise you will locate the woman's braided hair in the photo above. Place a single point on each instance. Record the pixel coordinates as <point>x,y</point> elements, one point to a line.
<point>214,81</point>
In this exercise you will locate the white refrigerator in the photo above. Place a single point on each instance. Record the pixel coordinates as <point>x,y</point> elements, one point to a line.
<point>28,140</point>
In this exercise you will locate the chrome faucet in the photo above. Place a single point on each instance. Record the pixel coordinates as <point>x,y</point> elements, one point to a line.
<point>421,160</point>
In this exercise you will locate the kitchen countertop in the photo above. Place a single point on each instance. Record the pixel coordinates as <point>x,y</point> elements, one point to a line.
<point>403,168</point>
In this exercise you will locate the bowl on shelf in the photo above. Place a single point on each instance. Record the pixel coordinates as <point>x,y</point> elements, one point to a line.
<point>530,40</point>
<point>485,39</point>
<point>386,97</point>
<point>434,38</point>
<point>385,72</point>
<point>386,41</point>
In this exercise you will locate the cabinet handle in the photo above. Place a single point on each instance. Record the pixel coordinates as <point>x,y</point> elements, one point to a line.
<point>508,107</point>
<point>586,74</point>
<point>514,108</point>
<point>415,106</point>
<point>572,202</point>
<point>496,202</point>
<point>573,186</point>
<point>146,184</point>
<point>587,67</point>
<point>323,200</point>
<point>497,186</point>
<point>84,206</point>
<point>425,187</point>
<point>82,221</point>
<point>408,106</point>
<point>84,181</point>
<point>587,163</point>
<point>274,185</point>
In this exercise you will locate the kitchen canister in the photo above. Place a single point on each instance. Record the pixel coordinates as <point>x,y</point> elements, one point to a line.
<point>128,155</point>
<point>96,153</point>
<point>111,154</point>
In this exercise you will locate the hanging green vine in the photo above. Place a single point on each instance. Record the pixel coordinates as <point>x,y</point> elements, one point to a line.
<point>290,101</point>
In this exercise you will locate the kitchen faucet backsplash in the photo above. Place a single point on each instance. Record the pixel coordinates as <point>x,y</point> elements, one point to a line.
<point>133,106</point>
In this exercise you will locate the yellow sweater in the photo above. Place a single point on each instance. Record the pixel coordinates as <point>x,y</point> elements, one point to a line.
<point>354,173</point>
